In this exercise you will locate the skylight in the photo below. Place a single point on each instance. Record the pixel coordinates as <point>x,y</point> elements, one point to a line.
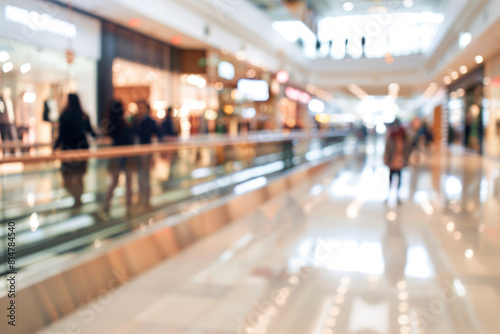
<point>372,36</point>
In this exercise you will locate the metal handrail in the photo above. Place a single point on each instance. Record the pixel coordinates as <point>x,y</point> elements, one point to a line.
<point>171,145</point>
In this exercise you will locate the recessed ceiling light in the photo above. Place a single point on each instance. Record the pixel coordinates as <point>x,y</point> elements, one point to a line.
<point>479,59</point>
<point>454,75</point>
<point>408,3</point>
<point>463,69</point>
<point>134,23</point>
<point>464,39</point>
<point>4,56</point>
<point>469,253</point>
<point>25,68</point>
<point>348,6</point>
<point>447,80</point>
<point>176,40</point>
<point>7,67</point>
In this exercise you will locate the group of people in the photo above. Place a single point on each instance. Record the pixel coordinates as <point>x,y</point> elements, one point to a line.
<point>75,128</point>
<point>399,147</point>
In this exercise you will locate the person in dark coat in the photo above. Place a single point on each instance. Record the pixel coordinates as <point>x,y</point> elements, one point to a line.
<point>121,133</point>
<point>74,129</point>
<point>144,128</point>
<point>168,127</point>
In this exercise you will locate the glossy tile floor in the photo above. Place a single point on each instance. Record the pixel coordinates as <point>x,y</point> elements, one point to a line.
<point>333,257</point>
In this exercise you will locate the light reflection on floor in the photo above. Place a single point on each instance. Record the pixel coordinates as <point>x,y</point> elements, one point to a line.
<point>348,263</point>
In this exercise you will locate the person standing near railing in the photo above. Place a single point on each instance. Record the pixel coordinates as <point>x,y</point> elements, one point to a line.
<point>397,152</point>
<point>121,133</point>
<point>144,128</point>
<point>74,129</point>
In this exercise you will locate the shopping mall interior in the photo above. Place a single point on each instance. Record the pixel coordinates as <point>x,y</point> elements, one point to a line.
<point>250,166</point>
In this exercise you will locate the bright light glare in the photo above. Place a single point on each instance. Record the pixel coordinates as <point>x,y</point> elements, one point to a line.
<point>211,115</point>
<point>248,113</point>
<point>469,253</point>
<point>4,56</point>
<point>464,39</point>
<point>282,77</point>
<point>29,97</point>
<point>161,113</point>
<point>293,30</point>
<point>25,68</point>
<point>250,185</point>
<point>479,59</point>
<point>316,106</point>
<point>408,3</point>
<point>255,90</point>
<point>397,34</point>
<point>381,129</point>
<point>348,6</point>
<point>225,70</point>
<point>453,186</point>
<point>7,67</point>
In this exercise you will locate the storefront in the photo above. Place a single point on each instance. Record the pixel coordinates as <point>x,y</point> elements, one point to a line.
<point>46,52</point>
<point>467,113</point>
<point>246,101</point>
<point>492,142</point>
<point>136,67</point>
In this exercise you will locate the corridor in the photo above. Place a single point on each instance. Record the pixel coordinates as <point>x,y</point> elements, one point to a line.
<point>332,256</point>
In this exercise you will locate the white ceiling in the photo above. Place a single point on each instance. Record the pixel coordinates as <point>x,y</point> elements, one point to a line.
<point>326,8</point>
<point>112,11</point>
<point>413,73</point>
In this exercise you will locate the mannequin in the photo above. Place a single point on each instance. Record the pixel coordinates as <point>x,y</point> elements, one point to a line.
<point>23,117</point>
<point>51,113</point>
<point>7,116</point>
<point>51,109</point>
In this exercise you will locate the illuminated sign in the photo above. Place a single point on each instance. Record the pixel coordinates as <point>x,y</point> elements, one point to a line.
<point>255,90</point>
<point>40,22</point>
<point>297,95</point>
<point>225,70</point>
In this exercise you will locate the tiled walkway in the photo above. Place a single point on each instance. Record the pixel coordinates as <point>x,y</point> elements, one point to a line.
<point>332,257</point>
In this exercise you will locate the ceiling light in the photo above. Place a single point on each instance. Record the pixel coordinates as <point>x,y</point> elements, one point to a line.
<point>7,67</point>
<point>322,118</point>
<point>134,23</point>
<point>292,31</point>
<point>408,3</point>
<point>240,55</point>
<point>463,69</point>
<point>454,75</point>
<point>348,6</point>
<point>282,77</point>
<point>316,106</point>
<point>469,253</point>
<point>394,90</point>
<point>251,73</point>
<point>176,40</point>
<point>479,59</point>
<point>4,56</point>
<point>25,68</point>
<point>464,39</point>
<point>447,80</point>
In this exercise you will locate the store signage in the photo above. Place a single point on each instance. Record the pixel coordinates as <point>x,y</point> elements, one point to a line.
<point>40,22</point>
<point>255,90</point>
<point>226,70</point>
<point>297,95</point>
